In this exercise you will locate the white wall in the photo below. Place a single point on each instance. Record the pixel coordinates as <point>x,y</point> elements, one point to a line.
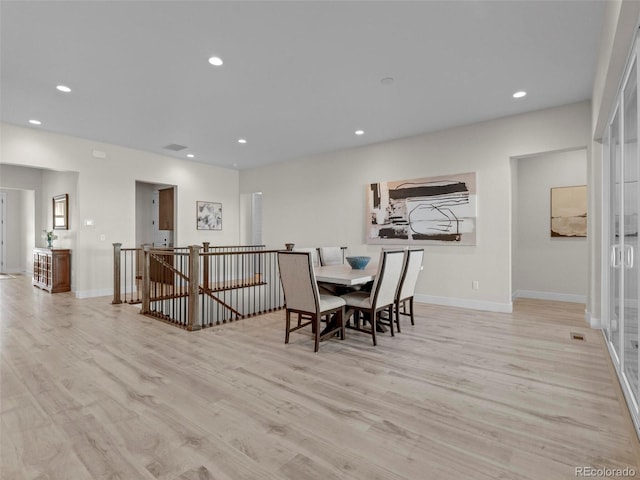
<point>28,214</point>
<point>246,214</point>
<point>314,201</point>
<point>26,183</point>
<point>32,202</point>
<point>106,194</point>
<point>25,178</point>
<point>251,219</point>
<point>546,267</point>
<point>144,214</point>
<point>53,184</point>
<point>320,200</point>
<point>58,183</point>
<point>14,246</point>
<point>619,29</point>
<point>514,218</point>
<point>19,230</point>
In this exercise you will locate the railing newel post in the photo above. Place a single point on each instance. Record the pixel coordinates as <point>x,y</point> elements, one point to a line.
<point>205,266</point>
<point>117,249</point>
<point>193,314</point>
<point>146,281</point>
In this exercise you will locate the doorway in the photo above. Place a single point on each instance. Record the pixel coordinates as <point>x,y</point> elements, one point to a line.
<point>17,230</point>
<point>156,214</point>
<point>251,218</point>
<point>546,266</point>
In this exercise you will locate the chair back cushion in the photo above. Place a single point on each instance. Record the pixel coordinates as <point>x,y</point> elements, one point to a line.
<point>331,255</point>
<point>387,279</point>
<point>413,264</point>
<point>298,281</point>
<point>314,255</point>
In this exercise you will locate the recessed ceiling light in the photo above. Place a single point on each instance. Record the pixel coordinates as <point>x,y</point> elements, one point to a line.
<point>519,94</point>
<point>190,155</point>
<point>35,122</point>
<point>359,132</point>
<point>242,140</point>
<point>216,61</point>
<point>387,81</point>
<point>63,88</point>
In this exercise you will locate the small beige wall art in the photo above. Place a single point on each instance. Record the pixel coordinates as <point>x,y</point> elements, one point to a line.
<point>569,211</point>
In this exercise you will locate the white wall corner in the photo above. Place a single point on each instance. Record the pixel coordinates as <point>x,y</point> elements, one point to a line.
<point>465,303</point>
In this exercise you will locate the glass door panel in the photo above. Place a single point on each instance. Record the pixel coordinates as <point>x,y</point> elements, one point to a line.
<point>606,152</point>
<point>629,327</point>
<point>616,219</point>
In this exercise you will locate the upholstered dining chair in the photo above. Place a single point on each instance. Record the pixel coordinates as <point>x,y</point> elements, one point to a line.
<point>301,296</point>
<point>315,260</point>
<point>331,255</point>
<point>406,287</point>
<point>382,296</point>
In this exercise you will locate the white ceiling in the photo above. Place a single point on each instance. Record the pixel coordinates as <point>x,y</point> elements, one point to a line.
<point>298,77</point>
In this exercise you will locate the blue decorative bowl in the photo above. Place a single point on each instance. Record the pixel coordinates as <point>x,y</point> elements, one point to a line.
<point>358,263</point>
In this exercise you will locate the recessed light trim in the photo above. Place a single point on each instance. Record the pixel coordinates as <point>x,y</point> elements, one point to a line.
<point>215,61</point>
<point>387,81</point>
<point>63,88</point>
<point>359,132</point>
<point>520,94</point>
<point>35,122</point>
<point>242,140</point>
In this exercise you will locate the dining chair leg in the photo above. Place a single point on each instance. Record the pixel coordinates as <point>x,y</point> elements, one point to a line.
<point>411,310</point>
<point>390,314</point>
<point>316,323</point>
<point>340,316</point>
<point>397,309</point>
<point>373,318</point>
<point>286,337</point>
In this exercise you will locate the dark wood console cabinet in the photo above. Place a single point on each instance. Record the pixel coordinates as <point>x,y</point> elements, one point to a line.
<point>52,269</point>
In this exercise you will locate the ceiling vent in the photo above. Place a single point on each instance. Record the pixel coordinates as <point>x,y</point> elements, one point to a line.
<point>174,147</point>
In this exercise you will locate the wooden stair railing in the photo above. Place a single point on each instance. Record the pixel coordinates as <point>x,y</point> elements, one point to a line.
<point>198,286</point>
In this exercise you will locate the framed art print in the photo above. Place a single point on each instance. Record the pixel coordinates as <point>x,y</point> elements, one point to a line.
<point>209,215</point>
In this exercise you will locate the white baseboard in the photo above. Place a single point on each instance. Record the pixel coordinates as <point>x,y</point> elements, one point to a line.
<point>593,322</point>
<point>558,297</point>
<point>105,292</point>
<point>465,303</point>
<point>17,271</point>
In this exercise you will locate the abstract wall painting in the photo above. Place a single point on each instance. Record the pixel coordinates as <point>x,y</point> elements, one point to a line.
<point>569,211</point>
<point>433,210</point>
<point>209,215</point>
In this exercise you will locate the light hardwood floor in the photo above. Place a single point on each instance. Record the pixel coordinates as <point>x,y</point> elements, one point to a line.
<point>90,390</point>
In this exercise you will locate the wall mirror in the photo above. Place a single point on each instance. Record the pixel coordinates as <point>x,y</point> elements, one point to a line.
<point>61,212</point>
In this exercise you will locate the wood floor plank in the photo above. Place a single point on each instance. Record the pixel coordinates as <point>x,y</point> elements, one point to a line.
<point>94,390</point>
